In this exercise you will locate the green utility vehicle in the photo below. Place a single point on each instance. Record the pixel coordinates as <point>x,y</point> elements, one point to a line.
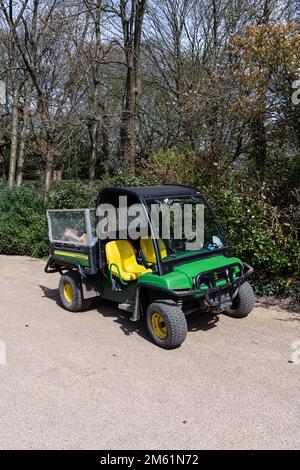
<point>155,277</point>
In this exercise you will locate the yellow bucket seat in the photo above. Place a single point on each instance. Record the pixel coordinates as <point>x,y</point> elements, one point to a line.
<point>148,249</point>
<point>121,253</point>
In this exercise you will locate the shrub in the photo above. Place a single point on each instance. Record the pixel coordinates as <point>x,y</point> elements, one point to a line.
<point>171,168</point>
<point>73,196</point>
<point>23,222</point>
<point>278,287</point>
<point>256,231</point>
<point>23,226</point>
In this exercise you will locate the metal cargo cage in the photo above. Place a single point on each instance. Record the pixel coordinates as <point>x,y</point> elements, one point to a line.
<point>72,226</point>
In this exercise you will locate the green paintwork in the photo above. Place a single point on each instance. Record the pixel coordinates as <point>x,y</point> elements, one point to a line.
<point>186,254</point>
<point>69,257</point>
<point>207,264</point>
<point>172,280</point>
<point>127,294</point>
<point>182,276</point>
<point>180,279</point>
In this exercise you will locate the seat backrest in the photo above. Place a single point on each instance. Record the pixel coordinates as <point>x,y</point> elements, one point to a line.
<point>121,253</point>
<point>148,248</point>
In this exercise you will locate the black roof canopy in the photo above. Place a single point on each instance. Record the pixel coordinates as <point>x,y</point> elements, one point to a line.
<point>149,192</point>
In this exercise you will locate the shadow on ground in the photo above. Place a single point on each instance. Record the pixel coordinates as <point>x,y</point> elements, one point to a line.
<point>274,303</point>
<point>51,294</point>
<point>196,321</point>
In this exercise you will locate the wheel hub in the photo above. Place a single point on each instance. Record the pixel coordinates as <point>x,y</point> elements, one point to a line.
<point>69,292</point>
<point>158,325</point>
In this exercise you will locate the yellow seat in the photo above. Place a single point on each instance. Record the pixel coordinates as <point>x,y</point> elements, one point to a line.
<point>149,251</point>
<point>121,254</point>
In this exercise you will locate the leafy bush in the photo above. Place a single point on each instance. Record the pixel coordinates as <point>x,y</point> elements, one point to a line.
<point>73,196</point>
<point>172,168</point>
<point>278,287</point>
<point>23,222</point>
<point>23,226</point>
<point>256,231</point>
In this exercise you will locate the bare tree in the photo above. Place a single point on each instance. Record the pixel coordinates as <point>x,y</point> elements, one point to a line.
<point>94,55</point>
<point>23,133</point>
<point>131,13</point>
<point>40,42</point>
<point>14,138</point>
<point>13,66</point>
<point>96,86</point>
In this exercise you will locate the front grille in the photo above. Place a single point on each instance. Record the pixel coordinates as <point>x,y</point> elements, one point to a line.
<point>210,279</point>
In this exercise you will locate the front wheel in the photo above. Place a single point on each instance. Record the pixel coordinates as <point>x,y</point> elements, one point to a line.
<point>70,292</point>
<point>166,324</point>
<point>243,304</point>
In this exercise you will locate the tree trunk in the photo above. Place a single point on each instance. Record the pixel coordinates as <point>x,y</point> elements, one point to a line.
<point>2,162</point>
<point>105,144</point>
<point>49,167</point>
<point>259,142</point>
<point>132,30</point>
<point>127,130</point>
<point>48,140</point>
<point>48,173</point>
<point>14,138</point>
<point>93,132</point>
<point>23,136</point>
<point>215,144</point>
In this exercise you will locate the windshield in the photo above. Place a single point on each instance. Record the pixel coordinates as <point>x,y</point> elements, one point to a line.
<point>185,226</point>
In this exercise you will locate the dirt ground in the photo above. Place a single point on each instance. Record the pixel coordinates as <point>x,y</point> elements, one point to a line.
<point>94,380</point>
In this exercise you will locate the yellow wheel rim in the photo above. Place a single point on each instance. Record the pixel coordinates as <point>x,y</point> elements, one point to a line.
<point>158,325</point>
<point>69,292</point>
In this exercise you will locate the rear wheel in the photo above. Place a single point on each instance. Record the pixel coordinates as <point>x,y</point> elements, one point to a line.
<point>70,292</point>
<point>243,303</point>
<point>166,324</point>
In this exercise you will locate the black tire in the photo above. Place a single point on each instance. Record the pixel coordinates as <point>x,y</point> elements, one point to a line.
<point>243,303</point>
<point>173,323</point>
<point>71,282</point>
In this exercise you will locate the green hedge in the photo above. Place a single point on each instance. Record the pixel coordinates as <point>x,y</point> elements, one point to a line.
<point>23,223</point>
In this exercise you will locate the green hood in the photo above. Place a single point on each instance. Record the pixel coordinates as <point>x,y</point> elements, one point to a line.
<point>183,274</point>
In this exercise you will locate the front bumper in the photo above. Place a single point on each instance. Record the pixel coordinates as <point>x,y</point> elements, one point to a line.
<point>232,286</point>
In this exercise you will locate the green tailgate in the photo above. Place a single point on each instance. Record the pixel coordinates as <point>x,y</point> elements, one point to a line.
<point>78,257</point>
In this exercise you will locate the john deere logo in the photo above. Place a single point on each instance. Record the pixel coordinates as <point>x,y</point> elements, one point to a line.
<point>216,276</point>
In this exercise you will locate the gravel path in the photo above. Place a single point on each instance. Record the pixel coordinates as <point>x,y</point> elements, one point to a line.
<point>94,380</point>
